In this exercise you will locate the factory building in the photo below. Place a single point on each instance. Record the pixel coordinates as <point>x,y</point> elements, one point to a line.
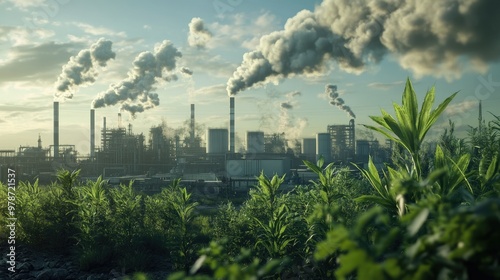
<point>342,139</point>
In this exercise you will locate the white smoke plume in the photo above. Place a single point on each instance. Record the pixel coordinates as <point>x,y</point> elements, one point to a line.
<point>331,92</point>
<point>427,37</point>
<point>288,124</point>
<point>135,92</point>
<point>81,69</point>
<point>198,35</point>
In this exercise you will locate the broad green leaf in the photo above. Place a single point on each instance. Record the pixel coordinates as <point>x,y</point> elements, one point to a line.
<point>410,102</point>
<point>492,169</point>
<point>425,112</point>
<point>312,167</point>
<point>435,114</point>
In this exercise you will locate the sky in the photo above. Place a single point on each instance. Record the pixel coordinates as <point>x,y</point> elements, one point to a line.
<point>294,67</point>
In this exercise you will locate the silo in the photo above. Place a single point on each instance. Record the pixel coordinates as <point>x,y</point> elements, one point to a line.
<point>323,146</point>
<point>255,142</point>
<point>217,141</point>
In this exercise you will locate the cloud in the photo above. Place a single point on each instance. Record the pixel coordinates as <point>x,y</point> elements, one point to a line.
<point>460,108</point>
<point>23,108</point>
<point>18,35</point>
<point>26,4</point>
<point>37,62</point>
<point>99,31</point>
<point>385,86</point>
<point>198,35</point>
<point>203,62</point>
<point>354,33</point>
<point>243,30</point>
<point>212,90</point>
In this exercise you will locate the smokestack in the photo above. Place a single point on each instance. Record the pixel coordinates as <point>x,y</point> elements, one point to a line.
<point>56,129</point>
<point>92,134</point>
<point>231,125</point>
<point>119,120</point>
<point>104,133</point>
<point>191,133</point>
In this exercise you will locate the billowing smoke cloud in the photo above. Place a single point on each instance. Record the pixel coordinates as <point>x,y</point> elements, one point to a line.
<point>331,92</point>
<point>187,71</point>
<point>198,35</point>
<point>81,69</point>
<point>135,92</point>
<point>427,37</point>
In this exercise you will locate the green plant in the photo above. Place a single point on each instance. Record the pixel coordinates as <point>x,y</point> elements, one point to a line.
<point>94,231</point>
<point>410,126</point>
<point>214,263</point>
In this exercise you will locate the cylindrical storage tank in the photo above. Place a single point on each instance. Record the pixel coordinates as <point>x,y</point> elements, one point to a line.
<point>308,146</point>
<point>323,147</point>
<point>255,142</point>
<point>217,141</point>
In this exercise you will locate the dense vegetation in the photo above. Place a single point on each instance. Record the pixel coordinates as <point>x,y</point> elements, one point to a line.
<point>429,214</point>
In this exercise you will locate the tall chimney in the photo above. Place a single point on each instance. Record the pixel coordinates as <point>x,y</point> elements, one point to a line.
<point>119,120</point>
<point>56,129</point>
<point>92,134</point>
<point>231,125</point>
<point>191,133</point>
<point>103,133</point>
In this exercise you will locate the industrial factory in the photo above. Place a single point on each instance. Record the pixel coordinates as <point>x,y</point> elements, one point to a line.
<point>123,154</point>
